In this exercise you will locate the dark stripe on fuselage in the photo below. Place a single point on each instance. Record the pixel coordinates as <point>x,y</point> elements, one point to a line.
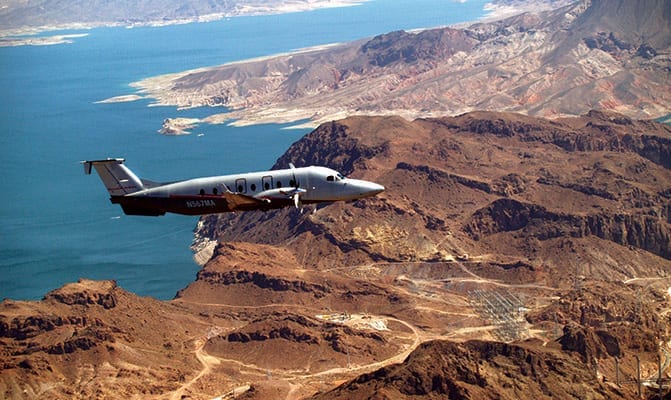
<point>186,205</point>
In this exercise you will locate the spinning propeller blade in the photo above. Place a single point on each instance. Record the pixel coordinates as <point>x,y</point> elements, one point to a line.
<point>296,196</point>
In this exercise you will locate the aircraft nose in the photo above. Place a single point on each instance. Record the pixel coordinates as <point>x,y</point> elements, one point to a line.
<point>374,188</point>
<point>367,189</point>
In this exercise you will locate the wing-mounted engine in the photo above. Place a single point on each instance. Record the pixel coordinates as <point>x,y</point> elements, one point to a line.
<point>283,195</point>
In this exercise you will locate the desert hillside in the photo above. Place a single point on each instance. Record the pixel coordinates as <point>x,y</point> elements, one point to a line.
<point>518,252</point>
<point>509,255</point>
<point>485,215</point>
<point>495,186</point>
<point>592,54</point>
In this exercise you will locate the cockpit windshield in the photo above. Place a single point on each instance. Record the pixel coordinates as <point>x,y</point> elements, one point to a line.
<point>337,177</point>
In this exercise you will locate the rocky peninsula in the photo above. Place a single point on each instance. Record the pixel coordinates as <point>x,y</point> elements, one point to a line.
<point>555,63</point>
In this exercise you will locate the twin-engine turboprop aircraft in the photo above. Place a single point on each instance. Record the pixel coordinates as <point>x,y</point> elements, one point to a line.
<point>242,192</point>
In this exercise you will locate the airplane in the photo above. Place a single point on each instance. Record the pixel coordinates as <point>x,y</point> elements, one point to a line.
<point>217,194</point>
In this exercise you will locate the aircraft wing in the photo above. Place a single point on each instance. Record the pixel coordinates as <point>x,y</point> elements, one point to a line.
<point>238,201</point>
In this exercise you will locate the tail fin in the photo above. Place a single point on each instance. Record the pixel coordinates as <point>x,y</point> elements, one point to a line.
<point>118,179</point>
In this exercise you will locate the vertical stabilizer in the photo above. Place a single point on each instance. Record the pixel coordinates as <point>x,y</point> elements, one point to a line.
<point>118,179</point>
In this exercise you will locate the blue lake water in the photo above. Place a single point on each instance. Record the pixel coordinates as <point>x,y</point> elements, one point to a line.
<point>56,224</point>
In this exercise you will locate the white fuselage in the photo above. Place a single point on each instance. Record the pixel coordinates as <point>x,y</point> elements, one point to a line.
<point>320,184</point>
<point>240,192</point>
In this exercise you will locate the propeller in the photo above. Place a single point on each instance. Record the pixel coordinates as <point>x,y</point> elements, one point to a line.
<point>297,200</point>
<point>296,196</point>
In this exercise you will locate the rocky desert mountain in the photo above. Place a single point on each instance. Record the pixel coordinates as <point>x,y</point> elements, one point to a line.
<point>510,257</point>
<point>592,54</point>
<point>485,215</point>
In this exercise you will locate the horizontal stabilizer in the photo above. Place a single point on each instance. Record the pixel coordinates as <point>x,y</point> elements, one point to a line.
<point>89,163</point>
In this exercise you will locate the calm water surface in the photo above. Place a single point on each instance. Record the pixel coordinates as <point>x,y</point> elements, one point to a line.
<point>56,224</point>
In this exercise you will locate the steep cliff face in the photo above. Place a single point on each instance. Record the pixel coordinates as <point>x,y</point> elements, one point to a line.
<point>646,232</point>
<point>332,144</point>
<point>606,319</point>
<point>470,183</point>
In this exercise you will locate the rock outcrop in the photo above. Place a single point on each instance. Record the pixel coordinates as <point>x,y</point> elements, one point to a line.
<point>582,179</point>
<point>571,215</point>
<point>528,254</point>
<point>92,339</point>
<point>477,370</point>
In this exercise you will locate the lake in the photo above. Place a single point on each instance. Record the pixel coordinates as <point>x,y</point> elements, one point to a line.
<point>56,223</point>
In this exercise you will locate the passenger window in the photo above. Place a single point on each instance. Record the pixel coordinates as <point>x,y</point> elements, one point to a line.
<point>202,192</point>
<point>292,183</point>
<point>241,184</point>
<point>266,182</point>
<point>279,184</point>
<point>330,178</point>
<point>253,187</point>
<point>214,191</point>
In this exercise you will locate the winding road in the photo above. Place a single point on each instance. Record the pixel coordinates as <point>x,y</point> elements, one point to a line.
<point>416,336</point>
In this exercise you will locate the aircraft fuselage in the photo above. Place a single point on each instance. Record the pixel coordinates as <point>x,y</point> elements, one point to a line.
<point>237,192</point>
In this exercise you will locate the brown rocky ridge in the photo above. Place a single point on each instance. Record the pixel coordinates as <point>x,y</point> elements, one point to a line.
<point>612,55</point>
<point>510,256</point>
<point>578,235</point>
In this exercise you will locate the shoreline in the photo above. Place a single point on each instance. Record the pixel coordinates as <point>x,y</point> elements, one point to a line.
<point>40,40</point>
<point>157,88</point>
<point>27,36</point>
<point>153,87</point>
